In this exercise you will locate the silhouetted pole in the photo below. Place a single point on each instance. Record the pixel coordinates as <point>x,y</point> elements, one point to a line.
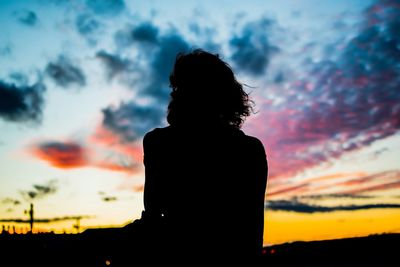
<point>31,217</point>
<point>77,226</point>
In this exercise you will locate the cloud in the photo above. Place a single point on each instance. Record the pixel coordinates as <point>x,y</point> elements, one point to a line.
<point>145,33</point>
<point>11,201</point>
<point>21,103</point>
<point>288,189</point>
<point>88,26</point>
<point>376,187</point>
<point>109,199</point>
<point>26,17</point>
<point>103,151</point>
<point>131,120</point>
<point>121,155</point>
<point>296,206</point>
<point>40,191</point>
<point>64,73</point>
<point>114,64</point>
<point>106,7</point>
<point>337,195</point>
<point>342,185</point>
<point>63,155</point>
<point>251,48</point>
<point>119,163</point>
<point>339,103</point>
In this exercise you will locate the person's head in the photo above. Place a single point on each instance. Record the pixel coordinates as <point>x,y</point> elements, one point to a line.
<point>205,90</point>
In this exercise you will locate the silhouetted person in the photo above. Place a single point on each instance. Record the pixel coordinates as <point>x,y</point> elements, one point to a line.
<point>205,179</point>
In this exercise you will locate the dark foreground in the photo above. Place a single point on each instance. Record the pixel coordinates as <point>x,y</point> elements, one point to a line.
<point>110,247</point>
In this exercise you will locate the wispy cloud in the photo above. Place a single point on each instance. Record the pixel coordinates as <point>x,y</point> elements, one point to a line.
<point>64,73</point>
<point>26,17</point>
<point>11,201</point>
<point>351,185</point>
<point>114,64</point>
<point>296,206</point>
<point>109,199</point>
<point>89,27</point>
<point>39,191</point>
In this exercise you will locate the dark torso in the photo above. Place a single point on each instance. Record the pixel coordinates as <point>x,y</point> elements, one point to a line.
<point>208,186</point>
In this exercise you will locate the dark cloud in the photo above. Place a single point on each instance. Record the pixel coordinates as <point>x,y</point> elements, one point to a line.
<point>109,199</point>
<point>328,196</point>
<point>106,7</point>
<point>21,103</point>
<point>161,65</point>
<point>88,26</point>
<point>64,73</point>
<point>61,154</point>
<point>114,64</point>
<point>47,220</point>
<point>11,201</point>
<point>26,17</point>
<point>295,206</point>
<point>18,78</point>
<point>40,191</point>
<point>144,33</point>
<point>131,120</point>
<point>251,48</point>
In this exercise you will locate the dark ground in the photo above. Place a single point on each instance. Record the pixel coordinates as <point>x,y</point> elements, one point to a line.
<point>110,247</point>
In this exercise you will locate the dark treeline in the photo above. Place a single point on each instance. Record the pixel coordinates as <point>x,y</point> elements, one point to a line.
<point>117,247</point>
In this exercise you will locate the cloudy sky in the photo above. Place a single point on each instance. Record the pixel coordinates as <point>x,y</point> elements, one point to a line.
<point>81,82</point>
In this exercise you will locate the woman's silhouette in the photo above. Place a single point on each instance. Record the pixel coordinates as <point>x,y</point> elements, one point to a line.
<point>205,179</point>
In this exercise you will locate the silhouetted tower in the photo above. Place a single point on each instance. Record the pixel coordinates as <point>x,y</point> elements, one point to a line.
<point>31,217</point>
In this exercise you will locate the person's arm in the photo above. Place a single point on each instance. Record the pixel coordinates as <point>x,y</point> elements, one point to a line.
<point>151,195</point>
<point>261,174</point>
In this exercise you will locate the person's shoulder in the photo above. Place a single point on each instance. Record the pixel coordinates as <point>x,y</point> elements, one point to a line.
<point>251,139</point>
<point>156,134</point>
<point>253,142</point>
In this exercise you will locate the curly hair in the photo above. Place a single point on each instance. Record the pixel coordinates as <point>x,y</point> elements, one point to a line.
<point>205,90</point>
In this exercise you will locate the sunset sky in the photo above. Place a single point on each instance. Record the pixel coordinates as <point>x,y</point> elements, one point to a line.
<point>81,82</point>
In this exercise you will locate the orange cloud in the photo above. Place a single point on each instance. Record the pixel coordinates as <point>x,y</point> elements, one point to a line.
<point>122,156</point>
<point>69,154</point>
<point>112,141</point>
<point>289,189</point>
<point>119,167</point>
<point>341,183</point>
<point>65,155</point>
